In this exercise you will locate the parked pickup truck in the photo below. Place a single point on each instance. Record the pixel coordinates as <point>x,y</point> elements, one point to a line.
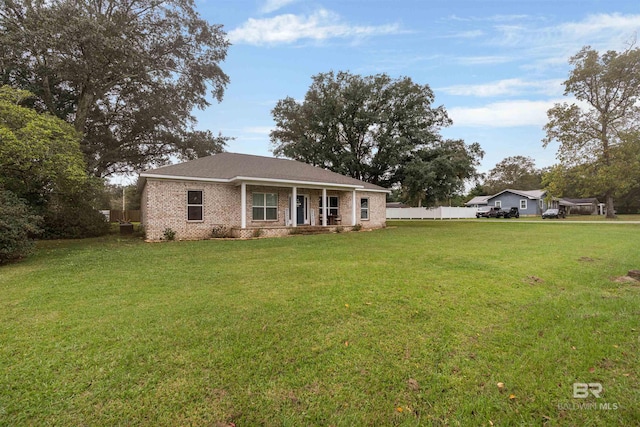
<point>491,212</point>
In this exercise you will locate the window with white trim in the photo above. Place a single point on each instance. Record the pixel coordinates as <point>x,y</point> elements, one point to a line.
<point>498,203</point>
<point>523,204</point>
<point>195,207</point>
<point>333,208</point>
<point>265,207</point>
<point>364,208</point>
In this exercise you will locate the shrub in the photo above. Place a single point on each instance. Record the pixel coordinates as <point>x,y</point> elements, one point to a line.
<point>356,227</point>
<point>339,229</point>
<point>169,234</point>
<point>257,232</point>
<point>17,227</point>
<point>220,232</point>
<point>71,214</point>
<point>140,232</point>
<point>74,222</point>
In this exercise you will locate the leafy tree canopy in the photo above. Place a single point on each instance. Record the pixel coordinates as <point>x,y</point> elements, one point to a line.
<point>591,178</point>
<point>127,74</point>
<point>477,190</point>
<point>363,127</point>
<point>432,175</point>
<point>516,172</point>
<point>39,153</point>
<point>594,135</point>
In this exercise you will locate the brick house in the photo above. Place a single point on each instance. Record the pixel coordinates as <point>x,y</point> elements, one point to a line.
<point>240,193</point>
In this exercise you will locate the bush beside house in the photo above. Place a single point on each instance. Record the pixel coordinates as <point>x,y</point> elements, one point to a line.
<point>17,227</point>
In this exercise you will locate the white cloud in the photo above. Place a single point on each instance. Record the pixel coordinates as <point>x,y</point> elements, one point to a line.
<point>285,29</point>
<point>508,87</point>
<point>262,130</point>
<point>483,60</point>
<point>273,5</point>
<point>539,47</point>
<point>471,34</point>
<point>603,27</point>
<point>504,18</point>
<point>555,44</point>
<point>492,18</point>
<point>503,114</point>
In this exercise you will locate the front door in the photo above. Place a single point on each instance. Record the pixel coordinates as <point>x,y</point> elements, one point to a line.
<point>301,209</point>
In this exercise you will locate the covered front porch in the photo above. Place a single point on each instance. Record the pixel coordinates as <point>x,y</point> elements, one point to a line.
<point>270,206</point>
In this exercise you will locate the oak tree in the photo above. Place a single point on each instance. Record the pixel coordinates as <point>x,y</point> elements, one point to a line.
<point>595,133</point>
<point>362,127</point>
<point>433,175</point>
<point>126,74</point>
<point>515,172</point>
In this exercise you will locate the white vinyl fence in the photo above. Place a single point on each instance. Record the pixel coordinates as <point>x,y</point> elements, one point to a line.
<point>442,212</point>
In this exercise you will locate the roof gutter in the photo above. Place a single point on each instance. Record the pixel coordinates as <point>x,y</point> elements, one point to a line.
<point>183,178</point>
<point>263,181</point>
<point>292,182</point>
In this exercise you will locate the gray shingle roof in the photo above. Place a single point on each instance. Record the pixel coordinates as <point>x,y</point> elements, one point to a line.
<point>234,167</point>
<point>530,194</point>
<point>478,200</point>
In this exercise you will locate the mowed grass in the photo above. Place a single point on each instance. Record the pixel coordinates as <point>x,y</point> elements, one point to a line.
<point>415,324</point>
<point>582,218</point>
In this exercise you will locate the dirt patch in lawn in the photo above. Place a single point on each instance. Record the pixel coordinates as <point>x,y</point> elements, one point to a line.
<point>632,277</point>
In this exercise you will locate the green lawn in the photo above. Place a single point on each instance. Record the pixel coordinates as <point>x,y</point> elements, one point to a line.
<point>581,218</point>
<point>414,324</point>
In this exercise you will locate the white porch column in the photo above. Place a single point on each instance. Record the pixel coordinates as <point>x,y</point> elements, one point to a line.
<point>324,207</point>
<point>243,205</point>
<point>294,206</point>
<point>353,213</point>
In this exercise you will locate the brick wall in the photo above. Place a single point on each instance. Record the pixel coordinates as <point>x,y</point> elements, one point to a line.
<point>164,205</point>
<point>377,209</point>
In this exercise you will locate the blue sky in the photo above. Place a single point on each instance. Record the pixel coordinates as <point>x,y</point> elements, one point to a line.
<point>497,66</point>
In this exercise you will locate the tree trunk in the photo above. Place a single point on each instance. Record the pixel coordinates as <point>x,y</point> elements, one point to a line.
<point>609,206</point>
<point>48,98</point>
<point>85,102</point>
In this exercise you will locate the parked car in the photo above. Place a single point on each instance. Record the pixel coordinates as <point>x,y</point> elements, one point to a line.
<point>553,213</point>
<point>490,212</point>
<point>512,213</point>
<point>482,212</point>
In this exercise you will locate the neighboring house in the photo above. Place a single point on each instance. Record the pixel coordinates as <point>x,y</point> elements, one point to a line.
<point>242,193</point>
<point>534,202</point>
<point>528,202</point>
<point>477,202</point>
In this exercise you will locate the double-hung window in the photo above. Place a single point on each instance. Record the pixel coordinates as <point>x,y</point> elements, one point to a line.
<point>364,208</point>
<point>332,209</point>
<point>195,208</point>
<point>523,204</point>
<point>265,207</point>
